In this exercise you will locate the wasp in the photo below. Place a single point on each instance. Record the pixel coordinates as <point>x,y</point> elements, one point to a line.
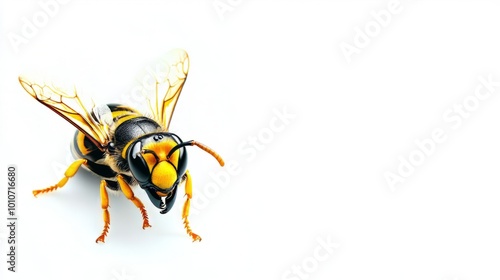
<point>125,147</point>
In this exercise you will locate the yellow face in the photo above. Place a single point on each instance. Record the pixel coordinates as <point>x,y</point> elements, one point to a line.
<point>163,171</point>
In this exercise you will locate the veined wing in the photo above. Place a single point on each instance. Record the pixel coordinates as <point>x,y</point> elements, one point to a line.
<point>94,123</point>
<point>168,86</point>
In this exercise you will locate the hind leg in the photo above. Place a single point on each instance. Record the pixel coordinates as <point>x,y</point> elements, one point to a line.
<point>70,172</point>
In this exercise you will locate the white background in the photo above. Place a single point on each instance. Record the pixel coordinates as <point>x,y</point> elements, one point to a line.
<point>320,177</point>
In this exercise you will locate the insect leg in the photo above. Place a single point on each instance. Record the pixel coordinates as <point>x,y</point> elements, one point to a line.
<point>127,191</point>
<point>70,172</point>
<point>105,213</point>
<point>185,210</point>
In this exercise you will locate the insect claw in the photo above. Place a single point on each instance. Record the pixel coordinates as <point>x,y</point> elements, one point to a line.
<point>100,239</point>
<point>103,234</point>
<point>145,225</point>
<point>195,237</point>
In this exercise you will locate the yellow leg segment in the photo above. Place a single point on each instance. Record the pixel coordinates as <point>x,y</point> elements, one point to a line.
<point>127,191</point>
<point>70,172</point>
<point>185,209</point>
<point>105,213</point>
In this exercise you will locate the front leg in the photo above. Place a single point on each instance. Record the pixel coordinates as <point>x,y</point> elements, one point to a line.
<point>127,191</point>
<point>185,209</point>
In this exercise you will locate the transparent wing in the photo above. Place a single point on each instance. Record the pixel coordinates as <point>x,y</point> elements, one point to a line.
<point>169,81</point>
<point>94,123</point>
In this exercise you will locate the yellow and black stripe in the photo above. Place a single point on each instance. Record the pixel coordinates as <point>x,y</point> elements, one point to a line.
<point>83,148</point>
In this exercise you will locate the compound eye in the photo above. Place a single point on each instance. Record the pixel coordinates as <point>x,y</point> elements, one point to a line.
<point>182,162</point>
<point>137,164</point>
